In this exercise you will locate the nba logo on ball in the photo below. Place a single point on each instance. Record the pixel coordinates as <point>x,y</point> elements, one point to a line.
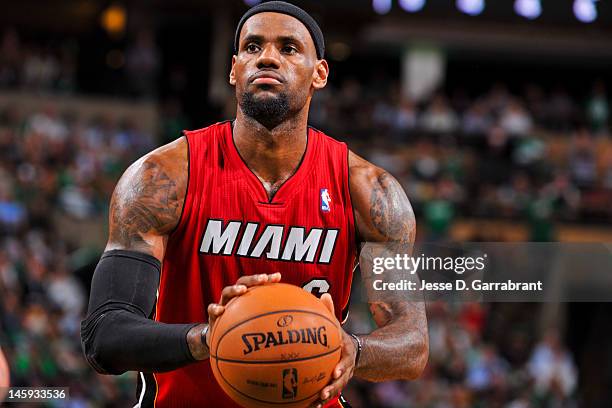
<point>325,200</point>
<point>290,381</point>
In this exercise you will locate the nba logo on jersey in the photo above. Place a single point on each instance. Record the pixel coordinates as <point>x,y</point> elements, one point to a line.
<point>325,200</point>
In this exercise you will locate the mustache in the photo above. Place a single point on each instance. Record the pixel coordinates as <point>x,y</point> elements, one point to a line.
<point>266,73</point>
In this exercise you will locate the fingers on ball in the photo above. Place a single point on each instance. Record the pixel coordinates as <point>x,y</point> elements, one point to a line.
<point>230,292</point>
<point>215,310</point>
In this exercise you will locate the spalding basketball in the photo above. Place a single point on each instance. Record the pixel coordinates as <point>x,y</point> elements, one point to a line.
<point>275,346</point>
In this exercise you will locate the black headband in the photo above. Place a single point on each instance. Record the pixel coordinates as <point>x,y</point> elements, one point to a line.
<point>291,10</point>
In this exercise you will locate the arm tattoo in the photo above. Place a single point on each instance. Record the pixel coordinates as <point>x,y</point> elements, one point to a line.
<point>398,348</point>
<point>146,201</point>
<point>390,210</point>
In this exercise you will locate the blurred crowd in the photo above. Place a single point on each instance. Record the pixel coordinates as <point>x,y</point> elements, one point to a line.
<point>55,164</point>
<point>37,66</point>
<point>128,68</point>
<point>537,157</point>
<point>480,356</point>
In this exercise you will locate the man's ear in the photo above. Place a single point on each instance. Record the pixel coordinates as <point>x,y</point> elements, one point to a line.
<point>232,76</point>
<point>319,77</point>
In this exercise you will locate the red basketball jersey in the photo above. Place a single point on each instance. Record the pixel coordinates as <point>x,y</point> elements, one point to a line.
<point>230,228</point>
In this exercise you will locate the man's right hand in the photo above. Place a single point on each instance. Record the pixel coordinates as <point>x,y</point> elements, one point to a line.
<point>200,351</point>
<point>215,310</point>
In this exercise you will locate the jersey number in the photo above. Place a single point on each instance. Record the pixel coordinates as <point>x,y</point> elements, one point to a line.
<point>317,286</point>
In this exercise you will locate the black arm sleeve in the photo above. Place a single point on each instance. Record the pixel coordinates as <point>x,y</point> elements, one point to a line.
<point>118,335</point>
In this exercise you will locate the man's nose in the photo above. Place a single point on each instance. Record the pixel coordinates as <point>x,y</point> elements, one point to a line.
<point>269,57</point>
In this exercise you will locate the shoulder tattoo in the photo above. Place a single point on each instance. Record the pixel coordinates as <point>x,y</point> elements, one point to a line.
<point>146,200</point>
<point>390,211</point>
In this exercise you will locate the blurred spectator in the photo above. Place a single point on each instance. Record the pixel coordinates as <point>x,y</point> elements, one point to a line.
<point>582,160</point>
<point>406,118</point>
<point>476,120</point>
<point>440,211</point>
<point>598,108</point>
<point>12,213</point>
<point>498,98</point>
<point>536,103</point>
<point>515,120</point>
<point>426,165</point>
<point>607,170</point>
<point>49,124</point>
<point>541,219</point>
<point>142,64</point>
<point>10,58</point>
<point>494,164</point>
<point>552,368</point>
<point>564,196</point>
<point>439,117</point>
<point>528,151</point>
<point>40,68</point>
<point>173,121</point>
<point>561,110</point>
<point>486,369</point>
<point>514,198</point>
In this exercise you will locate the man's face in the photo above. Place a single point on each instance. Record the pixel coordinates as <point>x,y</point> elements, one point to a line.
<point>276,68</point>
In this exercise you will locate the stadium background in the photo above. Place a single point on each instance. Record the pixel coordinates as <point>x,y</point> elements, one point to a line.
<point>497,124</point>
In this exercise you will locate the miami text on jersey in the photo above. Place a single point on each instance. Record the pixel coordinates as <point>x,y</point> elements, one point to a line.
<point>299,246</point>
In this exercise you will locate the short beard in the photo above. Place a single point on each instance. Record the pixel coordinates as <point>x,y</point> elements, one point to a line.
<point>270,112</point>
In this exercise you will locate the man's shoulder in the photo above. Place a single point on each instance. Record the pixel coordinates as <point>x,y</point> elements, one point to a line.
<point>363,173</point>
<point>382,210</point>
<point>369,183</point>
<point>210,129</point>
<point>148,199</point>
<point>168,162</point>
<point>325,137</point>
<point>171,157</point>
<point>358,166</point>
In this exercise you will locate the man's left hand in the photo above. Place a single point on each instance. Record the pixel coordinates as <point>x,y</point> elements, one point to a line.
<point>345,368</point>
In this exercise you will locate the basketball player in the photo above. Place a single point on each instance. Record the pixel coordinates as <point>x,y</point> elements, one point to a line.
<point>242,203</point>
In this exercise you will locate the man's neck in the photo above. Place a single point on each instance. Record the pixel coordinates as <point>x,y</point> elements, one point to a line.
<point>273,155</point>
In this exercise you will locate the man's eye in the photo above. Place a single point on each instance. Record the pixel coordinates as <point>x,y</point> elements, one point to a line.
<point>288,49</point>
<point>252,48</point>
